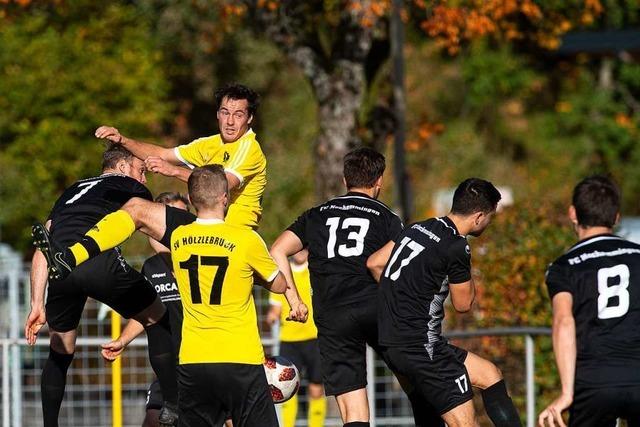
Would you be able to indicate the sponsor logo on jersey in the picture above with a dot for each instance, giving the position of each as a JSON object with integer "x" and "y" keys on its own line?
{"x": 225, "y": 157}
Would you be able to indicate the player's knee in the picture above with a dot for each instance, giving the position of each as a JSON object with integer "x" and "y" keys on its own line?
{"x": 491, "y": 374}
{"x": 316, "y": 391}
{"x": 62, "y": 343}
{"x": 136, "y": 207}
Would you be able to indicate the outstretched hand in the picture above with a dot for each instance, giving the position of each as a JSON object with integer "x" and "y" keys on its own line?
{"x": 161, "y": 166}
{"x": 299, "y": 313}
{"x": 109, "y": 133}
{"x": 111, "y": 350}
{"x": 35, "y": 322}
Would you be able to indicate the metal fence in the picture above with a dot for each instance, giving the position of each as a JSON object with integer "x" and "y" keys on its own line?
{"x": 88, "y": 399}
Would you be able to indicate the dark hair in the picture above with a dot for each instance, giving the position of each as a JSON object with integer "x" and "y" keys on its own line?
{"x": 205, "y": 184}
{"x": 171, "y": 197}
{"x": 475, "y": 195}
{"x": 114, "y": 154}
{"x": 363, "y": 167}
{"x": 237, "y": 91}
{"x": 597, "y": 201}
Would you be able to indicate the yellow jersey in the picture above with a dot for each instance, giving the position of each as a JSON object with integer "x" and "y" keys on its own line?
{"x": 244, "y": 159}
{"x": 296, "y": 331}
{"x": 214, "y": 264}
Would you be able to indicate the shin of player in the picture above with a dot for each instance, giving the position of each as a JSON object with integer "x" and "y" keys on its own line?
{"x": 418, "y": 270}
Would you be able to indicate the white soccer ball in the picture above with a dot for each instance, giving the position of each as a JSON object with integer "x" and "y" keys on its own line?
{"x": 283, "y": 378}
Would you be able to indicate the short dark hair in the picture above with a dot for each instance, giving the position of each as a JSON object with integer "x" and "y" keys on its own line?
{"x": 363, "y": 167}
{"x": 205, "y": 184}
{"x": 171, "y": 197}
{"x": 475, "y": 195}
{"x": 114, "y": 154}
{"x": 597, "y": 201}
{"x": 237, "y": 91}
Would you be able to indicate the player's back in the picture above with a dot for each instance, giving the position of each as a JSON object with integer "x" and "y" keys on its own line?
{"x": 87, "y": 201}
{"x": 415, "y": 282}
{"x": 603, "y": 275}
{"x": 214, "y": 264}
{"x": 340, "y": 235}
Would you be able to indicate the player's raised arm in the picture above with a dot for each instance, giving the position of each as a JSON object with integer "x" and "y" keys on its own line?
{"x": 378, "y": 260}
{"x": 37, "y": 318}
{"x": 141, "y": 150}
{"x": 564, "y": 347}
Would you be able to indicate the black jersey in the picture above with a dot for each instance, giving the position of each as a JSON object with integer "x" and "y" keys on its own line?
{"x": 87, "y": 201}
{"x": 602, "y": 274}
{"x": 340, "y": 235}
{"x": 427, "y": 257}
{"x": 157, "y": 269}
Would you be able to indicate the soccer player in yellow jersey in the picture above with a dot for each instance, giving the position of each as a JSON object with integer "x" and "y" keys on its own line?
{"x": 221, "y": 355}
{"x": 235, "y": 147}
{"x": 299, "y": 343}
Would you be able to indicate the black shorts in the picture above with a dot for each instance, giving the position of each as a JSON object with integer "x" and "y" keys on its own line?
{"x": 306, "y": 356}
{"x": 209, "y": 391}
{"x": 174, "y": 218}
{"x": 442, "y": 380}
{"x": 107, "y": 278}
{"x": 154, "y": 396}
{"x": 600, "y": 407}
{"x": 342, "y": 337}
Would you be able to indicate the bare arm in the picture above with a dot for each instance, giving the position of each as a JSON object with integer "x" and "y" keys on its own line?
{"x": 113, "y": 349}
{"x": 462, "y": 295}
{"x": 37, "y": 318}
{"x": 140, "y": 149}
{"x": 564, "y": 346}
{"x": 286, "y": 245}
{"x": 378, "y": 260}
{"x": 165, "y": 167}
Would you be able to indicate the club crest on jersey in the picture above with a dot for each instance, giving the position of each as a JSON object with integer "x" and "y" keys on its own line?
{"x": 225, "y": 157}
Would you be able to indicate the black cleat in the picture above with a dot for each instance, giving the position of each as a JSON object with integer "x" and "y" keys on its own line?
{"x": 168, "y": 415}
{"x": 57, "y": 266}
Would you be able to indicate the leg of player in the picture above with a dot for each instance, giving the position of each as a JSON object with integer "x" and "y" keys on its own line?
{"x": 155, "y": 320}
{"x": 151, "y": 418}
{"x": 111, "y": 231}
{"x": 290, "y": 411}
{"x": 461, "y": 416}
{"x": 317, "y": 405}
{"x": 115, "y": 228}
{"x": 54, "y": 374}
{"x": 497, "y": 402}
{"x": 354, "y": 408}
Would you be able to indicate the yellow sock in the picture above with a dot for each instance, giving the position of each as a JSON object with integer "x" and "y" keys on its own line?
{"x": 111, "y": 231}
{"x": 317, "y": 412}
{"x": 290, "y": 411}
{"x": 79, "y": 253}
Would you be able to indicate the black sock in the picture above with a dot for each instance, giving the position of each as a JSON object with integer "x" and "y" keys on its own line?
{"x": 163, "y": 358}
{"x": 499, "y": 406}
{"x": 90, "y": 245}
{"x": 424, "y": 414}
{"x": 356, "y": 424}
{"x": 54, "y": 379}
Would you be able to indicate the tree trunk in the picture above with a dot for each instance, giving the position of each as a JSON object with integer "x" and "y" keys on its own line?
{"x": 338, "y": 108}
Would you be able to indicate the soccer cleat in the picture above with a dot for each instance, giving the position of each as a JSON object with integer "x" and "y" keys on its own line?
{"x": 57, "y": 266}
{"x": 168, "y": 415}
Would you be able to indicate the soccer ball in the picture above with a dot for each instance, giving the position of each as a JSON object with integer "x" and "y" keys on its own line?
{"x": 283, "y": 378}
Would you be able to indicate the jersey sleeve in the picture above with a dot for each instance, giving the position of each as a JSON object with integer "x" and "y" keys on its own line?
{"x": 193, "y": 154}
{"x": 247, "y": 161}
{"x": 139, "y": 190}
{"x": 299, "y": 228}
{"x": 395, "y": 227}
{"x": 557, "y": 280}
{"x": 260, "y": 260}
{"x": 277, "y": 299}
{"x": 459, "y": 262}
